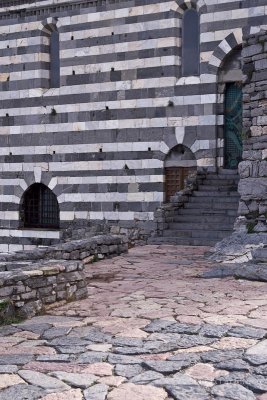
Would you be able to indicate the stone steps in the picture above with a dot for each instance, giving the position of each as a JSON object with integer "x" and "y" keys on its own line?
{"x": 191, "y": 233}
{"x": 183, "y": 241}
{"x": 209, "y": 214}
{"x": 198, "y": 226}
{"x": 204, "y": 218}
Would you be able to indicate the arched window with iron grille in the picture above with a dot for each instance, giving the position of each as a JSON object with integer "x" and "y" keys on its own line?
{"x": 190, "y": 43}
{"x": 39, "y": 208}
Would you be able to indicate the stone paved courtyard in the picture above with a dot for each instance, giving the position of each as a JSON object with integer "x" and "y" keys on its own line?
{"x": 151, "y": 329}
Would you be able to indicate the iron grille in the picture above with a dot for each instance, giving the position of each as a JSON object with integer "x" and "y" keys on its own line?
{"x": 40, "y": 208}
{"x": 233, "y": 125}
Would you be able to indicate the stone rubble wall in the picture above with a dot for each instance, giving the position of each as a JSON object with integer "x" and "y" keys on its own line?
{"x": 253, "y": 168}
{"x": 32, "y": 281}
{"x": 98, "y": 246}
{"x": 31, "y": 289}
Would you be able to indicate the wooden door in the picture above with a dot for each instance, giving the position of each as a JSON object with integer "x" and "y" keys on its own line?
{"x": 175, "y": 180}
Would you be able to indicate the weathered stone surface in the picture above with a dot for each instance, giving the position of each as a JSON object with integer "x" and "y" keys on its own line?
{"x": 137, "y": 392}
{"x": 9, "y": 380}
{"x": 44, "y": 381}
{"x": 22, "y": 391}
{"x": 15, "y": 359}
{"x": 187, "y": 392}
{"x": 96, "y": 392}
{"x": 128, "y": 371}
{"x": 257, "y": 354}
{"x": 234, "y": 365}
{"x": 214, "y": 330}
{"x": 166, "y": 367}
{"x": 122, "y": 359}
{"x": 99, "y": 369}
{"x": 73, "y": 394}
{"x": 247, "y": 332}
{"x": 92, "y": 357}
{"x": 76, "y": 380}
{"x": 204, "y": 372}
{"x": 8, "y": 369}
{"x": 146, "y": 377}
{"x": 216, "y": 356}
{"x": 53, "y": 333}
{"x": 188, "y": 329}
{"x": 157, "y": 325}
{"x": 182, "y": 387}
{"x": 232, "y": 391}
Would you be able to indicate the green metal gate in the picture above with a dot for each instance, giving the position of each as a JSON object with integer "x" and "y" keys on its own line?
{"x": 233, "y": 125}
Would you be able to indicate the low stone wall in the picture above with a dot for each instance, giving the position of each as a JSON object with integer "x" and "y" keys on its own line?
{"x": 30, "y": 289}
{"x": 96, "y": 247}
{"x": 253, "y": 168}
{"x": 32, "y": 281}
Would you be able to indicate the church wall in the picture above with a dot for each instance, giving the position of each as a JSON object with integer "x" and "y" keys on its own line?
{"x": 99, "y": 140}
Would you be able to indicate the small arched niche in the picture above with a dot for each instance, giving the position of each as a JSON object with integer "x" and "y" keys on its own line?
{"x": 39, "y": 208}
{"x": 179, "y": 164}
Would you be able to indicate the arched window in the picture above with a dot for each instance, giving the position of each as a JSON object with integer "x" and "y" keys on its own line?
{"x": 190, "y": 43}
{"x": 39, "y": 208}
{"x": 233, "y": 146}
{"x": 54, "y": 60}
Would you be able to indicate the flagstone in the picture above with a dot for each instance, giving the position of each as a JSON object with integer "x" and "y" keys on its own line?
{"x": 137, "y": 392}
{"x": 7, "y": 380}
{"x": 73, "y": 394}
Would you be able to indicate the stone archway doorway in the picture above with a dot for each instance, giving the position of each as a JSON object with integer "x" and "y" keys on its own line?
{"x": 179, "y": 164}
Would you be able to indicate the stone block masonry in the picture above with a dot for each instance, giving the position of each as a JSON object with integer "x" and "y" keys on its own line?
{"x": 30, "y": 289}
{"x": 99, "y": 141}
{"x": 253, "y": 168}
{"x": 32, "y": 281}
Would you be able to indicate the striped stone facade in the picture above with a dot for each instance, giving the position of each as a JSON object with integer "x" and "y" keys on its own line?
{"x": 99, "y": 141}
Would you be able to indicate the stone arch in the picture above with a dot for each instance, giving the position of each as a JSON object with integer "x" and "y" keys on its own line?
{"x": 180, "y": 156}
{"x": 180, "y": 162}
{"x": 227, "y": 45}
{"x": 49, "y": 25}
{"x": 180, "y": 6}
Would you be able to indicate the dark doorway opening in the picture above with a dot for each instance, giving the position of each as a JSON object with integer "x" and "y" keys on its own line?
{"x": 233, "y": 146}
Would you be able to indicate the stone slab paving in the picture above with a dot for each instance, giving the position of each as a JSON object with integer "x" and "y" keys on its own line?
{"x": 152, "y": 328}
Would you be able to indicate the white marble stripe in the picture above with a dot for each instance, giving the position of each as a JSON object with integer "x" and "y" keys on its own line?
{"x": 86, "y": 148}
{"x": 104, "y": 87}
{"x": 91, "y": 17}
{"x": 108, "y": 215}
{"x": 113, "y": 124}
{"x": 84, "y": 69}
{"x": 123, "y": 104}
{"x": 110, "y": 197}
{"x": 82, "y": 165}
{"x": 35, "y": 233}
{"x": 169, "y": 41}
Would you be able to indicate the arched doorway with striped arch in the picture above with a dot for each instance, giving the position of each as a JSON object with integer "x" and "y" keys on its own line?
{"x": 180, "y": 162}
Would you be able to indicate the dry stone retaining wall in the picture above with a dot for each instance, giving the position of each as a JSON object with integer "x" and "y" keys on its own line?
{"x": 32, "y": 281}
{"x": 253, "y": 168}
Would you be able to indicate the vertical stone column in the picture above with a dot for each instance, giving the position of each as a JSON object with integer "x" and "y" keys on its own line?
{"x": 253, "y": 168}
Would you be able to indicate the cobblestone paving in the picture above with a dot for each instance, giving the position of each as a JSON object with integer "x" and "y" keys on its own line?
{"x": 151, "y": 329}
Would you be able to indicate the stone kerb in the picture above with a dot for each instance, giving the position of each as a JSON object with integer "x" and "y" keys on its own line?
{"x": 33, "y": 281}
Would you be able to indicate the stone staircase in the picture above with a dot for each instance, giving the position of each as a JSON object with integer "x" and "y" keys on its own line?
{"x": 209, "y": 214}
